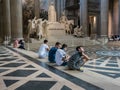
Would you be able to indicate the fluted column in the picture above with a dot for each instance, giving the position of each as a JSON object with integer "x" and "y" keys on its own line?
{"x": 6, "y": 18}
{"x": 104, "y": 17}
{"x": 16, "y": 19}
{"x": 84, "y": 16}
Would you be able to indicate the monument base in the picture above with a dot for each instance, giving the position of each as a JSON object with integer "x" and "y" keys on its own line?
{"x": 55, "y": 31}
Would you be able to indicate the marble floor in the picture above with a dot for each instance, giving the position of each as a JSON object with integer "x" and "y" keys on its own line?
{"x": 23, "y": 70}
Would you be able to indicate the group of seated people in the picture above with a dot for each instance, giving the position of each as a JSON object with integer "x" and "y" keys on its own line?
{"x": 115, "y": 38}
{"x": 19, "y": 44}
{"x": 58, "y": 55}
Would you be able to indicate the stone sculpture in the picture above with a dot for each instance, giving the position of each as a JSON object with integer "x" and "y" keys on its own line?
{"x": 78, "y": 32}
{"x": 45, "y": 28}
{"x": 51, "y": 13}
{"x": 39, "y": 29}
{"x": 63, "y": 19}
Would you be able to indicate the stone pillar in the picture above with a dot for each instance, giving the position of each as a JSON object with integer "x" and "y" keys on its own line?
{"x": 115, "y": 16}
{"x": 119, "y": 20}
{"x": 59, "y": 6}
{"x": 57, "y": 3}
{"x": 84, "y": 15}
{"x": 1, "y": 23}
{"x": 6, "y": 18}
{"x": 110, "y": 20}
{"x": 104, "y": 17}
{"x": 16, "y": 19}
{"x": 62, "y": 7}
{"x": 37, "y": 8}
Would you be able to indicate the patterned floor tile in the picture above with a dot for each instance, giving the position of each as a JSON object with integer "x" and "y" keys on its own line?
{"x": 65, "y": 88}
{"x": 5, "y": 55}
{"x": 113, "y": 75}
{"x": 112, "y": 65}
{"x": 37, "y": 85}
{"x": 3, "y": 70}
{"x": 29, "y": 66}
{"x": 13, "y": 65}
{"x": 9, "y": 82}
{"x": 8, "y": 59}
{"x": 21, "y": 73}
{"x": 94, "y": 63}
{"x": 43, "y": 75}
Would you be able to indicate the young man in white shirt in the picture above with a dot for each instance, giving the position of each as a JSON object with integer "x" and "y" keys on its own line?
{"x": 61, "y": 57}
{"x": 43, "y": 50}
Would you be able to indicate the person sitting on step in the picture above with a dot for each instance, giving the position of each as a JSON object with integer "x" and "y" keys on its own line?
{"x": 43, "y": 50}
{"x": 77, "y": 60}
{"x": 61, "y": 58}
{"x": 52, "y": 52}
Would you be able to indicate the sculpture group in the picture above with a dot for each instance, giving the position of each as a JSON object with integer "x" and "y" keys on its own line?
{"x": 39, "y": 28}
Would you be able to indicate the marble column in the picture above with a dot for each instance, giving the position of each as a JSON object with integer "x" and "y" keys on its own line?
{"x": 119, "y": 18}
{"x": 84, "y": 16}
{"x": 16, "y": 19}
{"x": 57, "y": 4}
{"x": 115, "y": 16}
{"x": 37, "y": 8}
{"x": 104, "y": 17}
{"x": 1, "y": 22}
{"x": 6, "y": 18}
{"x": 60, "y": 7}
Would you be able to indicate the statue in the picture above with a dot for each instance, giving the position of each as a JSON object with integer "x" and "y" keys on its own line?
{"x": 78, "y": 32}
{"x": 29, "y": 27}
{"x": 71, "y": 28}
{"x": 34, "y": 22}
{"x": 32, "y": 26}
{"x": 39, "y": 29}
{"x": 51, "y": 13}
{"x": 63, "y": 18}
{"x": 67, "y": 28}
{"x": 68, "y": 24}
{"x": 45, "y": 28}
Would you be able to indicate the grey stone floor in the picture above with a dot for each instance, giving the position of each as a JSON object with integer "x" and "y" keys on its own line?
{"x": 20, "y": 72}
{"x": 23, "y": 70}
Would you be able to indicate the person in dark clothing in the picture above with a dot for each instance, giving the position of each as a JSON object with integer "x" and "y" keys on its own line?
{"x": 77, "y": 60}
{"x": 52, "y": 52}
{"x": 22, "y": 44}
